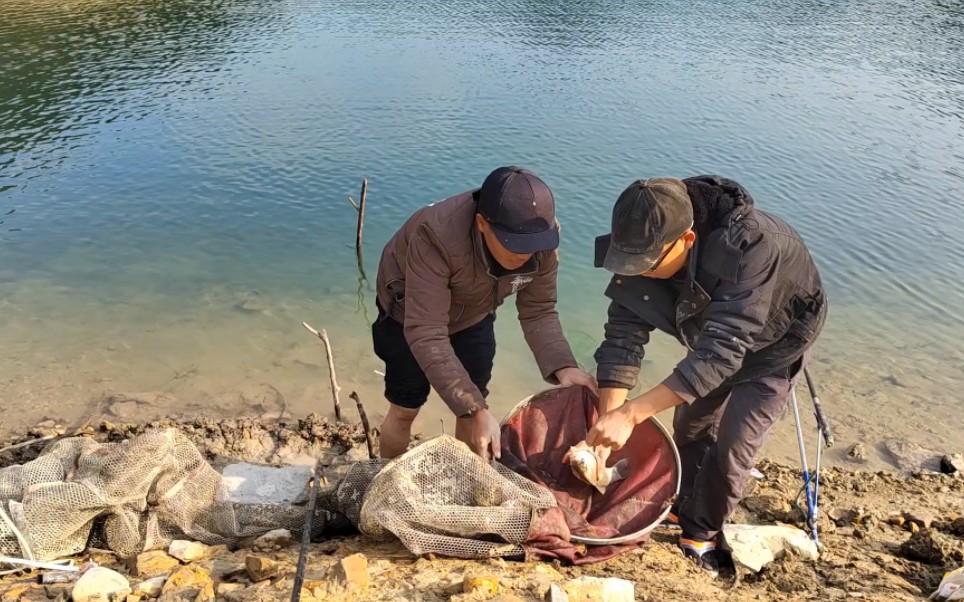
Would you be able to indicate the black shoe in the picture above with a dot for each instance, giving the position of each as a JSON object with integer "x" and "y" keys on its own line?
{"x": 703, "y": 553}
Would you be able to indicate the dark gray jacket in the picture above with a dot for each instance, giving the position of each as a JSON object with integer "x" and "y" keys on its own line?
{"x": 749, "y": 304}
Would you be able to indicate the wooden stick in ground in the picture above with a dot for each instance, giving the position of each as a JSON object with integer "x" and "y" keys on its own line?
{"x": 306, "y": 533}
{"x": 365, "y": 425}
{"x": 361, "y": 218}
{"x": 323, "y": 335}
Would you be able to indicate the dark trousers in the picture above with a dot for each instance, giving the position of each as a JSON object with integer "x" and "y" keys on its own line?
{"x": 718, "y": 438}
{"x": 405, "y": 383}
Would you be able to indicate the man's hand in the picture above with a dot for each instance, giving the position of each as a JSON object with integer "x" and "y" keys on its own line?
{"x": 611, "y": 430}
{"x": 575, "y": 376}
{"x": 481, "y": 433}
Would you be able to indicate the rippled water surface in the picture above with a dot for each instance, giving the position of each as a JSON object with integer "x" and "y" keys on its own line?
{"x": 174, "y": 179}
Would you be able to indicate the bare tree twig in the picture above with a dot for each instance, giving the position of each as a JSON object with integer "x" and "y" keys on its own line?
{"x": 323, "y": 335}
{"x": 365, "y": 425}
{"x": 353, "y": 203}
{"x": 27, "y": 443}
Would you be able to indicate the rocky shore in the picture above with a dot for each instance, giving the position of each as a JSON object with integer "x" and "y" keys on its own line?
{"x": 887, "y": 536}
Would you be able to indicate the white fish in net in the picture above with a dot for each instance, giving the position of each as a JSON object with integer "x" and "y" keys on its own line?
{"x": 584, "y": 463}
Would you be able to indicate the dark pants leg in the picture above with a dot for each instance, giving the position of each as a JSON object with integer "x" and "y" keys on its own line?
{"x": 744, "y": 424}
{"x": 694, "y": 432}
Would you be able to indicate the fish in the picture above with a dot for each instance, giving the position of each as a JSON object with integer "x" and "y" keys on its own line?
{"x": 583, "y": 461}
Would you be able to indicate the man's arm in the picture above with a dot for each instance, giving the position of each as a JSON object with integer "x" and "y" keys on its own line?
{"x": 427, "y": 302}
{"x": 539, "y": 318}
{"x": 620, "y": 355}
{"x": 735, "y": 316}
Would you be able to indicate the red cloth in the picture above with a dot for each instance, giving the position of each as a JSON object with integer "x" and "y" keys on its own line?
{"x": 534, "y": 442}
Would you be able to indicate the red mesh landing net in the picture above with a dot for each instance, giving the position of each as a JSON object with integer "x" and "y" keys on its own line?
{"x": 537, "y": 435}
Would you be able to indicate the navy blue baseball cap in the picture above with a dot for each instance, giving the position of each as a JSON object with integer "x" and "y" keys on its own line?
{"x": 521, "y": 210}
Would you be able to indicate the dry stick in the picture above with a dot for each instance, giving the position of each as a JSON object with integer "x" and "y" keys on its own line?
{"x": 306, "y": 533}
{"x": 360, "y": 208}
{"x": 323, "y": 335}
{"x": 365, "y": 425}
{"x": 27, "y": 443}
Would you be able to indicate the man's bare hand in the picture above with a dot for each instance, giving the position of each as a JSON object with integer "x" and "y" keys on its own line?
{"x": 575, "y": 376}
{"x": 481, "y": 433}
{"x": 612, "y": 430}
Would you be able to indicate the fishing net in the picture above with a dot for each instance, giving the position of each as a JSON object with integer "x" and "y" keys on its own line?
{"x": 437, "y": 498}
{"x": 136, "y": 495}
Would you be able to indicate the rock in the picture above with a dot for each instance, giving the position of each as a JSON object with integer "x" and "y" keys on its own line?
{"x": 767, "y": 507}
{"x": 859, "y": 534}
{"x": 595, "y": 589}
{"x": 19, "y": 592}
{"x": 189, "y": 581}
{"x": 153, "y": 564}
{"x": 225, "y": 588}
{"x": 857, "y": 452}
{"x": 842, "y": 517}
{"x": 957, "y": 527}
{"x": 485, "y": 584}
{"x": 187, "y": 551}
{"x": 952, "y": 463}
{"x": 896, "y": 520}
{"x": 260, "y": 568}
{"x": 254, "y": 484}
{"x": 556, "y": 594}
{"x": 273, "y": 540}
{"x": 922, "y": 547}
{"x": 921, "y": 518}
{"x": 913, "y": 527}
{"x": 910, "y": 456}
{"x": 100, "y": 585}
{"x": 755, "y": 546}
{"x": 352, "y": 571}
{"x": 150, "y": 588}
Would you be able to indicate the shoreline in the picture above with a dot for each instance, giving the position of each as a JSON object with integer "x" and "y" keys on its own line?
{"x": 867, "y": 552}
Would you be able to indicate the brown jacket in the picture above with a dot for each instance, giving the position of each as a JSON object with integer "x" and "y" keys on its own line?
{"x": 437, "y": 278}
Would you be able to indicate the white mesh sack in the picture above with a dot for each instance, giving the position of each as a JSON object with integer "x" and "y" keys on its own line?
{"x": 441, "y": 498}
{"x": 148, "y": 490}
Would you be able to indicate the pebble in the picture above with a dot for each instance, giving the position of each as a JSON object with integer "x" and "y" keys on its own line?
{"x": 352, "y": 571}
{"x": 100, "y": 584}
{"x": 150, "y": 588}
{"x": 153, "y": 564}
{"x": 484, "y": 584}
{"x": 260, "y": 568}
{"x": 187, "y": 551}
{"x": 857, "y": 452}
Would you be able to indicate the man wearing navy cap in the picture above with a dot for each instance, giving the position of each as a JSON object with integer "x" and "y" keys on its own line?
{"x": 737, "y": 286}
{"x": 441, "y": 279}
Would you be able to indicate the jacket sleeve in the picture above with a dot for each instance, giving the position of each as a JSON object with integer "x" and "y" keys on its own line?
{"x": 736, "y": 314}
{"x": 621, "y": 353}
{"x": 427, "y": 302}
{"x": 540, "y": 320}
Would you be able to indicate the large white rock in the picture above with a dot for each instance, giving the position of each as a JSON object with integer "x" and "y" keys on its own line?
{"x": 595, "y": 589}
{"x": 755, "y": 546}
{"x": 100, "y": 585}
{"x": 150, "y": 588}
{"x": 257, "y": 484}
